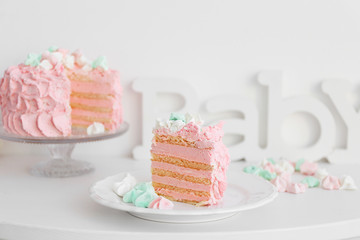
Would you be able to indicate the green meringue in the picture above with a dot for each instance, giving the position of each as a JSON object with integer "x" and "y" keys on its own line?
{"x": 53, "y": 48}
{"x": 252, "y": 170}
{"x": 267, "y": 175}
{"x": 141, "y": 195}
{"x": 298, "y": 164}
{"x": 100, "y": 62}
{"x": 33, "y": 59}
{"x": 271, "y": 160}
{"x": 311, "y": 181}
{"x": 177, "y": 116}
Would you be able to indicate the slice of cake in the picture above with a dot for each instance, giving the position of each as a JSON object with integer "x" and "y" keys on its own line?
{"x": 55, "y": 92}
{"x": 189, "y": 161}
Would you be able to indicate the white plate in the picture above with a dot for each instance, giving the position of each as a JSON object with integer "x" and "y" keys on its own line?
{"x": 244, "y": 192}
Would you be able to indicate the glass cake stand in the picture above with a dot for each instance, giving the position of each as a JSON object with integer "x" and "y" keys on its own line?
{"x": 61, "y": 164}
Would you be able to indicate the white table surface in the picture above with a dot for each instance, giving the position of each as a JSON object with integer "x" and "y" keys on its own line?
{"x": 42, "y": 208}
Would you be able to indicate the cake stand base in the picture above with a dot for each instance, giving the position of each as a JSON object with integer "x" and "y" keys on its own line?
{"x": 61, "y": 164}
{"x": 58, "y": 168}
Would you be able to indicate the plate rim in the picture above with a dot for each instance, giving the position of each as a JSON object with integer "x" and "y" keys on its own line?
{"x": 209, "y": 211}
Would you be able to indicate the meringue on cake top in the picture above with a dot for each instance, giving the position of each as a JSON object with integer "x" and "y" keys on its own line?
{"x": 52, "y": 93}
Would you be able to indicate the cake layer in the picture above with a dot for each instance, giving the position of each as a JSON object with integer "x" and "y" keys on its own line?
{"x": 78, "y": 123}
{"x": 167, "y": 187}
{"x": 181, "y": 183}
{"x": 180, "y": 198}
{"x": 108, "y": 116}
{"x": 108, "y": 102}
{"x": 182, "y": 170}
{"x": 181, "y": 162}
{"x": 91, "y": 108}
{"x": 180, "y": 176}
{"x": 174, "y": 140}
{"x": 91, "y": 95}
{"x": 92, "y": 87}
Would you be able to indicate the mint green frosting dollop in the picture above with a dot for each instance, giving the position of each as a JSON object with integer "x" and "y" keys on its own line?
{"x": 53, "y": 48}
{"x": 267, "y": 175}
{"x": 100, "y": 62}
{"x": 141, "y": 195}
{"x": 33, "y": 59}
{"x": 177, "y": 116}
{"x": 298, "y": 164}
{"x": 252, "y": 170}
{"x": 311, "y": 181}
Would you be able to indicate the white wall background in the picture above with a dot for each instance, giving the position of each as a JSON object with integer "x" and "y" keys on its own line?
{"x": 218, "y": 46}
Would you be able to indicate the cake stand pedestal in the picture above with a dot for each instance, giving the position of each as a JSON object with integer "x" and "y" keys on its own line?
{"x": 61, "y": 164}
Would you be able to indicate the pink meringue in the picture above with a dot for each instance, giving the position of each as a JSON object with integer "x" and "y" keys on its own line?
{"x": 308, "y": 168}
{"x": 161, "y": 203}
{"x": 270, "y": 167}
{"x": 286, "y": 176}
{"x": 280, "y": 183}
{"x": 296, "y": 188}
{"x": 330, "y": 183}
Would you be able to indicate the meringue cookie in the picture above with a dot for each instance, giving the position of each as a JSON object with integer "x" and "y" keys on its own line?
{"x": 252, "y": 170}
{"x": 69, "y": 61}
{"x": 265, "y": 161}
{"x": 284, "y": 166}
{"x": 298, "y": 164}
{"x": 347, "y": 183}
{"x": 286, "y": 176}
{"x": 161, "y": 203}
{"x": 321, "y": 173}
{"x": 330, "y": 183}
{"x": 296, "y": 188}
{"x": 308, "y": 168}
{"x": 125, "y": 185}
{"x": 311, "y": 182}
{"x": 270, "y": 167}
{"x": 95, "y": 128}
{"x": 267, "y": 175}
{"x": 45, "y": 64}
{"x": 280, "y": 183}
{"x": 141, "y": 195}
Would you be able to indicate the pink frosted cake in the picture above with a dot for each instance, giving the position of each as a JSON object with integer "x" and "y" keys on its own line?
{"x": 55, "y": 92}
{"x": 189, "y": 161}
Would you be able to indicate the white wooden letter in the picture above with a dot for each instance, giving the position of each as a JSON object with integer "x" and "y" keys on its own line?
{"x": 149, "y": 88}
{"x": 249, "y": 126}
{"x": 337, "y": 91}
{"x": 279, "y": 108}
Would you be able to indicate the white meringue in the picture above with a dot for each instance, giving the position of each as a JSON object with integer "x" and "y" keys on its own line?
{"x": 45, "y": 64}
{"x": 125, "y": 185}
{"x": 321, "y": 174}
{"x": 69, "y": 61}
{"x": 282, "y": 166}
{"x": 95, "y": 128}
{"x": 347, "y": 183}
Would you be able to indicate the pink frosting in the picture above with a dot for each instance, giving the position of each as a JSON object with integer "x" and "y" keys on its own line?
{"x": 330, "y": 183}
{"x": 296, "y": 188}
{"x": 183, "y": 170}
{"x": 280, "y": 183}
{"x": 31, "y": 98}
{"x": 161, "y": 203}
{"x": 208, "y": 156}
{"x": 308, "y": 168}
